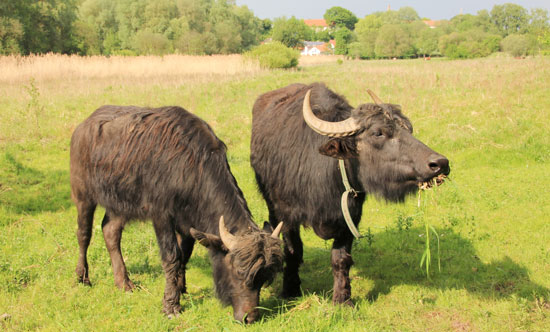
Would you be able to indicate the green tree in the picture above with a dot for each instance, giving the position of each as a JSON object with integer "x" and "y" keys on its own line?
{"x": 188, "y": 26}
{"x": 367, "y": 30}
{"x": 427, "y": 42}
{"x": 229, "y": 39}
{"x": 11, "y": 34}
{"x": 543, "y": 41}
{"x": 342, "y": 37}
{"x": 539, "y": 28}
{"x": 538, "y": 20}
{"x": 483, "y": 22}
{"x": 322, "y": 35}
{"x": 157, "y": 16}
{"x": 101, "y": 16}
{"x": 393, "y": 41}
{"x": 464, "y": 22}
{"x": 250, "y": 28}
{"x": 340, "y": 17}
{"x": 389, "y": 17}
{"x": 407, "y": 14}
{"x": 129, "y": 20}
{"x": 469, "y": 44}
{"x": 509, "y": 18}
{"x": 266, "y": 26}
{"x": 291, "y": 32}
{"x": 152, "y": 43}
{"x": 88, "y": 42}
{"x": 357, "y": 50}
{"x": 47, "y": 25}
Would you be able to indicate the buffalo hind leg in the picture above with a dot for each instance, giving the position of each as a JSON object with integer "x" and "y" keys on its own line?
{"x": 112, "y": 233}
{"x": 85, "y": 221}
{"x": 293, "y": 251}
{"x": 171, "y": 256}
{"x": 341, "y": 263}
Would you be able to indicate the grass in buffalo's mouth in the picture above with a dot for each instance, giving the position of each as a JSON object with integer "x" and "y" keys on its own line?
{"x": 435, "y": 181}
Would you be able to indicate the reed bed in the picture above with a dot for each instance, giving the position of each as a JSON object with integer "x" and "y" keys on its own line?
{"x": 18, "y": 69}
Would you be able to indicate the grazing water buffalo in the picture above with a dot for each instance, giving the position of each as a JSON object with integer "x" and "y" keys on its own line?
{"x": 298, "y": 134}
{"x": 167, "y": 165}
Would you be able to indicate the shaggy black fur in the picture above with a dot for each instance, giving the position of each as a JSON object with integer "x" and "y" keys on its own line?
{"x": 167, "y": 165}
{"x": 297, "y": 169}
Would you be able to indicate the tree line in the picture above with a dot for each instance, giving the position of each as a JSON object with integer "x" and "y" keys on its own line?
{"x": 128, "y": 27}
{"x": 135, "y": 27}
{"x": 404, "y": 34}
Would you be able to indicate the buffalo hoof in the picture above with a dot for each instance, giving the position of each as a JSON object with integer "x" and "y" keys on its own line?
{"x": 126, "y": 285}
{"x": 291, "y": 293}
{"x": 85, "y": 281}
{"x": 82, "y": 275}
{"x": 291, "y": 286}
{"x": 343, "y": 300}
{"x": 172, "y": 311}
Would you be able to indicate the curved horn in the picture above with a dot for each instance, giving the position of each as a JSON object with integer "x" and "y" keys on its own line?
{"x": 228, "y": 239}
{"x": 347, "y": 127}
{"x": 277, "y": 231}
{"x": 374, "y": 97}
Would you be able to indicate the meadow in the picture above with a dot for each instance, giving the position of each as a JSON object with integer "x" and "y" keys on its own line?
{"x": 490, "y": 117}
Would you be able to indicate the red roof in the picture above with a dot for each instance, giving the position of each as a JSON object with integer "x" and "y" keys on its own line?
{"x": 431, "y": 23}
{"x": 316, "y": 23}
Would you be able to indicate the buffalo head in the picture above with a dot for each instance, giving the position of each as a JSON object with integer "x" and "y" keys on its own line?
{"x": 392, "y": 161}
{"x": 242, "y": 264}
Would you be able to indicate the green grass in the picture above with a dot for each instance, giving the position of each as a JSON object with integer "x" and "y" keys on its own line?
{"x": 489, "y": 117}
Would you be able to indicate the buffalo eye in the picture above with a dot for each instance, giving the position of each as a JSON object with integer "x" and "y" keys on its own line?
{"x": 378, "y": 133}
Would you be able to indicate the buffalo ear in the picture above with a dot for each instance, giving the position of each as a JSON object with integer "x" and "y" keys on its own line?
{"x": 267, "y": 227}
{"x": 339, "y": 148}
{"x": 210, "y": 241}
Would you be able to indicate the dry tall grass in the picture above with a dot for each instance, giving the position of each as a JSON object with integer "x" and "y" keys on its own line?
{"x": 52, "y": 67}
{"x": 17, "y": 69}
{"x": 319, "y": 59}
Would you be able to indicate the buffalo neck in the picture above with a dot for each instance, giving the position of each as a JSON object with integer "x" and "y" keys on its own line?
{"x": 219, "y": 195}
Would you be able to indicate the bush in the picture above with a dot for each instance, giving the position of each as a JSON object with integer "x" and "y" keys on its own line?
{"x": 468, "y": 44}
{"x": 275, "y": 55}
{"x": 517, "y": 45}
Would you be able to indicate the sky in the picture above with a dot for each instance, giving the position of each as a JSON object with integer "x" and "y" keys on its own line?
{"x": 432, "y": 9}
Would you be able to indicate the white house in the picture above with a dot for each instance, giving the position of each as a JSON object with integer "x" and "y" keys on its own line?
{"x": 316, "y": 48}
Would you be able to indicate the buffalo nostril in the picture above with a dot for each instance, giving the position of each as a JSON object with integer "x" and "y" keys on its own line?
{"x": 434, "y": 166}
{"x": 251, "y": 317}
{"x": 439, "y": 165}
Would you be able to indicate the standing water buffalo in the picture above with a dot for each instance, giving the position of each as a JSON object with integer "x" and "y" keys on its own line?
{"x": 298, "y": 134}
{"x": 167, "y": 165}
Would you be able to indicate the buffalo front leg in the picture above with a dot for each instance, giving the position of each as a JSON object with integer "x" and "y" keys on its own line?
{"x": 341, "y": 263}
{"x": 85, "y": 221}
{"x": 112, "y": 233}
{"x": 293, "y": 251}
{"x": 185, "y": 244}
{"x": 171, "y": 256}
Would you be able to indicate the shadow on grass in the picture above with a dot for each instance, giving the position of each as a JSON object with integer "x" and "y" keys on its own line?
{"x": 394, "y": 259}
{"x": 26, "y": 190}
